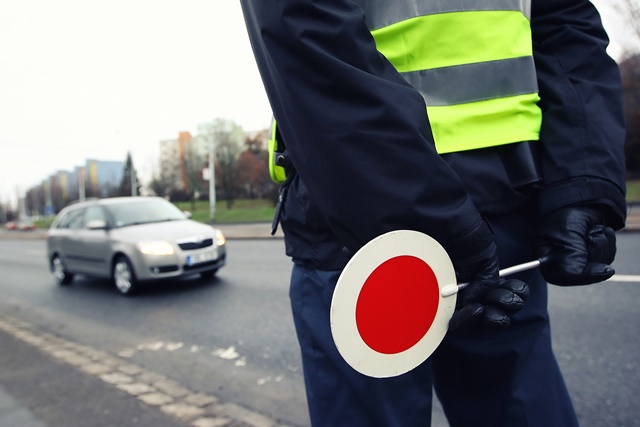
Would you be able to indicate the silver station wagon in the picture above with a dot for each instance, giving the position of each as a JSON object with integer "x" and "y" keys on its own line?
{"x": 131, "y": 240}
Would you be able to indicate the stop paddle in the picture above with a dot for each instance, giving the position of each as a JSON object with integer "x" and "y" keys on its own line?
{"x": 393, "y": 301}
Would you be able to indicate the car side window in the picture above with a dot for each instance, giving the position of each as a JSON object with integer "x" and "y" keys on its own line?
{"x": 70, "y": 218}
{"x": 75, "y": 219}
{"x": 93, "y": 213}
{"x": 62, "y": 222}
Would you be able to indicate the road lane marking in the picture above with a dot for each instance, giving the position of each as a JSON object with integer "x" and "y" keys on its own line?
{"x": 195, "y": 408}
{"x": 624, "y": 278}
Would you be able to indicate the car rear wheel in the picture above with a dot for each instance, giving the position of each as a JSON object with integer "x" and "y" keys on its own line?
{"x": 123, "y": 276}
{"x": 59, "y": 271}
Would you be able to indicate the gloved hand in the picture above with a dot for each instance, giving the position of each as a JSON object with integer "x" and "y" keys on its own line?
{"x": 487, "y": 302}
{"x": 577, "y": 245}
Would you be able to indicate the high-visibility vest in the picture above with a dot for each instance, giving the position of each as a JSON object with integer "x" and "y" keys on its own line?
{"x": 277, "y": 155}
{"x": 472, "y": 61}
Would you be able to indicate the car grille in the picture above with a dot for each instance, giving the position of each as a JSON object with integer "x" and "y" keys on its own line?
{"x": 164, "y": 269}
{"x": 198, "y": 266}
{"x": 189, "y": 246}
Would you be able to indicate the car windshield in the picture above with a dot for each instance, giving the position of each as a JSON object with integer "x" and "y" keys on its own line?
{"x": 143, "y": 212}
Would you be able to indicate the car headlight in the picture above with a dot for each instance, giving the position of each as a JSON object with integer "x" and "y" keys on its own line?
{"x": 155, "y": 248}
{"x": 220, "y": 240}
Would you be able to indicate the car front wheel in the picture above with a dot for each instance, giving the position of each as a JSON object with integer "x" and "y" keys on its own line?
{"x": 59, "y": 271}
{"x": 123, "y": 276}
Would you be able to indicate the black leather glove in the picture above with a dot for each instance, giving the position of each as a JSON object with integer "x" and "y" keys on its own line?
{"x": 577, "y": 246}
{"x": 487, "y": 302}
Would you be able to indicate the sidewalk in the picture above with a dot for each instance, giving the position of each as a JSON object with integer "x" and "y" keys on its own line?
{"x": 47, "y": 381}
{"x": 633, "y": 217}
{"x": 262, "y": 230}
{"x": 258, "y": 230}
{"x": 36, "y": 390}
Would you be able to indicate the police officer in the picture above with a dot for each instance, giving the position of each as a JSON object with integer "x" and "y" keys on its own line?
{"x": 496, "y": 182}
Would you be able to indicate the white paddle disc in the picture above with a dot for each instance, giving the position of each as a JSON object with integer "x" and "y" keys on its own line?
{"x": 392, "y": 303}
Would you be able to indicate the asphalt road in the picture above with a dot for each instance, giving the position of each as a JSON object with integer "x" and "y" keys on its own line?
{"x": 227, "y": 346}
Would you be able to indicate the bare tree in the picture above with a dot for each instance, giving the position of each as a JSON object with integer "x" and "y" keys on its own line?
{"x": 159, "y": 185}
{"x": 253, "y": 168}
{"x": 630, "y": 69}
{"x": 227, "y": 138}
{"x": 193, "y": 164}
{"x": 629, "y": 13}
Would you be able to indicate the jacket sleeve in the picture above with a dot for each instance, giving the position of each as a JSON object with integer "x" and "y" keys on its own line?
{"x": 583, "y": 130}
{"x": 357, "y": 133}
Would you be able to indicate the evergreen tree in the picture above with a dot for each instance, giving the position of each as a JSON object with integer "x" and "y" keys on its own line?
{"x": 126, "y": 187}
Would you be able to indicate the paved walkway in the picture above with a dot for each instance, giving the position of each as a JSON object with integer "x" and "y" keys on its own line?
{"x": 48, "y": 381}
{"x": 262, "y": 230}
{"x": 633, "y": 217}
{"x": 259, "y": 230}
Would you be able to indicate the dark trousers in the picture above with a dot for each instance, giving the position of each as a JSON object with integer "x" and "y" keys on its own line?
{"x": 506, "y": 378}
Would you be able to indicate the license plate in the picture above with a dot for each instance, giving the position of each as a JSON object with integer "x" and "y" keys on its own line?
{"x": 202, "y": 257}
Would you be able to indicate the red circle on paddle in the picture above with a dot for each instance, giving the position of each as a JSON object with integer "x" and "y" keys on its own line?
{"x": 397, "y": 304}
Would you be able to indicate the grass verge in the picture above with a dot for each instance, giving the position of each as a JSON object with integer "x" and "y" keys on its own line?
{"x": 260, "y": 210}
{"x": 633, "y": 191}
{"x": 243, "y": 210}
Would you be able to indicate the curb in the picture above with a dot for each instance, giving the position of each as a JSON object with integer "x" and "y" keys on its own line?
{"x": 262, "y": 230}
{"x": 246, "y": 231}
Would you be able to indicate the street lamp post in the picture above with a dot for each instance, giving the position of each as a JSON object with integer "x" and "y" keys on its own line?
{"x": 81, "y": 185}
{"x": 134, "y": 184}
{"x": 49, "y": 209}
{"x": 212, "y": 180}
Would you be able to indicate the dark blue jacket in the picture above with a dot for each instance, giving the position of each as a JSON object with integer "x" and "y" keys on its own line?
{"x": 360, "y": 142}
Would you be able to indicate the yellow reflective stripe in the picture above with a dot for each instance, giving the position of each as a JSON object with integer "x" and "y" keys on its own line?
{"x": 277, "y": 173}
{"x": 486, "y": 123}
{"x": 449, "y": 39}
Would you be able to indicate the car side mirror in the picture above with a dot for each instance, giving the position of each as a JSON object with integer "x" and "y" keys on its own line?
{"x": 97, "y": 224}
{"x": 187, "y": 214}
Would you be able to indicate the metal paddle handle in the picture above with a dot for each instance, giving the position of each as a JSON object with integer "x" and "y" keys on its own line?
{"x": 450, "y": 290}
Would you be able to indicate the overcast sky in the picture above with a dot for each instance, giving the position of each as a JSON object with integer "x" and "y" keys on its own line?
{"x": 94, "y": 79}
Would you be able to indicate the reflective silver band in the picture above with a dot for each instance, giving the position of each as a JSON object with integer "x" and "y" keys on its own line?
{"x": 382, "y": 13}
{"x": 475, "y": 82}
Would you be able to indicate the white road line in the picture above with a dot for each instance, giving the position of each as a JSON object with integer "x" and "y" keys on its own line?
{"x": 197, "y": 409}
{"x": 624, "y": 278}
